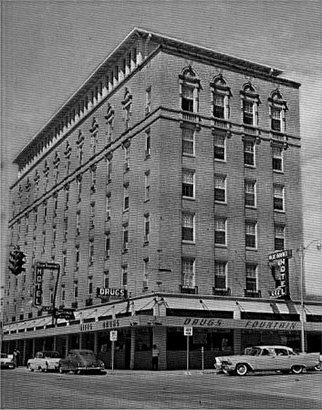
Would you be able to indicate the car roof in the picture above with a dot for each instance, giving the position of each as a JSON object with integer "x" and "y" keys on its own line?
{"x": 273, "y": 347}
{"x": 81, "y": 351}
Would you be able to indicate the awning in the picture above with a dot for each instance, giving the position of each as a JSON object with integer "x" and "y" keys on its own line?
{"x": 313, "y": 310}
{"x": 273, "y": 307}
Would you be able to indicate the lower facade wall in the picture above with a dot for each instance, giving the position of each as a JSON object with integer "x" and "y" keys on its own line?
{"x": 204, "y": 346}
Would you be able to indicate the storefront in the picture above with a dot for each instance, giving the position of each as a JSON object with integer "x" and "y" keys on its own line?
{"x": 218, "y": 326}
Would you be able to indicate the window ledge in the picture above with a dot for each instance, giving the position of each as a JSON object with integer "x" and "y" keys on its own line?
{"x": 220, "y": 202}
{"x": 184, "y": 154}
{"x": 220, "y": 245}
{"x": 278, "y": 171}
{"x": 223, "y": 161}
{"x": 279, "y": 211}
{"x": 251, "y": 249}
{"x": 189, "y": 198}
{"x": 250, "y": 207}
{"x": 250, "y": 166}
{"x": 188, "y": 242}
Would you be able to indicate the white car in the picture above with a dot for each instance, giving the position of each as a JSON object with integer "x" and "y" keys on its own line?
{"x": 44, "y": 361}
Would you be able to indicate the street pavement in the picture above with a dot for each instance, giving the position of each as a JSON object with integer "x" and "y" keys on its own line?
{"x": 125, "y": 389}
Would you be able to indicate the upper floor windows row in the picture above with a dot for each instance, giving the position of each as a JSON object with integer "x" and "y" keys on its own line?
{"x": 220, "y": 100}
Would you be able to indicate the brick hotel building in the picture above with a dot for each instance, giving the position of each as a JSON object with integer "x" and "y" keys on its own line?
{"x": 164, "y": 183}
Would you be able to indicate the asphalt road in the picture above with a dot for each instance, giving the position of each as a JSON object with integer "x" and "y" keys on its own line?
{"x": 21, "y": 389}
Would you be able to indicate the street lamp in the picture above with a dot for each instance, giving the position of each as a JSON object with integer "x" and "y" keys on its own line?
{"x": 301, "y": 252}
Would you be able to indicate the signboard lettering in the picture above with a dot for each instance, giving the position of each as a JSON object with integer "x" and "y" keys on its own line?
{"x": 280, "y": 272}
{"x": 107, "y": 292}
{"x": 38, "y": 287}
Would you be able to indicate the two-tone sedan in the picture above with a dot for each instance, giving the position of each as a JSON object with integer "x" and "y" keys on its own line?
{"x": 268, "y": 358}
{"x": 81, "y": 361}
{"x": 44, "y": 361}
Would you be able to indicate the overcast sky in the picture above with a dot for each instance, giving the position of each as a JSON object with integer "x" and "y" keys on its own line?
{"x": 49, "y": 48}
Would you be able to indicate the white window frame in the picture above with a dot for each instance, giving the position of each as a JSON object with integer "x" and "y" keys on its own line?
{"x": 277, "y": 155}
{"x": 250, "y": 152}
{"x": 279, "y": 195}
{"x": 250, "y": 183}
{"x": 220, "y": 185}
{"x": 188, "y": 273}
{"x": 188, "y": 138}
{"x": 188, "y": 223}
{"x": 253, "y": 269}
{"x": 146, "y": 228}
{"x": 188, "y": 181}
{"x": 221, "y": 146}
{"x": 251, "y": 231}
{"x": 218, "y": 273}
{"x": 221, "y": 222}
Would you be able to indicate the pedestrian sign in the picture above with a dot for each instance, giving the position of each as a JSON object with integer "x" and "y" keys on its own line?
{"x": 187, "y": 330}
{"x": 113, "y": 335}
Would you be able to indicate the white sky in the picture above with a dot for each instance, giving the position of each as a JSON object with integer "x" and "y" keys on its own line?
{"x": 49, "y": 48}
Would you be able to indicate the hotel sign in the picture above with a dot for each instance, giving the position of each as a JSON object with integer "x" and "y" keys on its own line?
{"x": 38, "y": 286}
{"x": 280, "y": 272}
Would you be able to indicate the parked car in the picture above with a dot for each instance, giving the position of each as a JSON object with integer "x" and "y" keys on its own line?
{"x": 81, "y": 360}
{"x": 274, "y": 358}
{"x": 7, "y": 361}
{"x": 44, "y": 361}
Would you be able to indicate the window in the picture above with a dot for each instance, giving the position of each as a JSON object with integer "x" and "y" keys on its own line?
{"x": 188, "y": 183}
{"x": 251, "y": 278}
{"x": 108, "y": 206}
{"x": 90, "y": 286}
{"x": 64, "y": 263}
{"x": 146, "y": 228}
{"x": 127, "y": 108}
{"x": 126, "y": 157}
{"x": 147, "y": 143}
{"x": 108, "y": 168}
{"x": 277, "y": 158}
{"x": 279, "y": 237}
{"x": 77, "y": 257}
{"x": 248, "y": 113}
{"x": 78, "y": 222}
{"x": 125, "y": 238}
{"x": 250, "y": 193}
{"x": 75, "y": 290}
{"x": 189, "y": 90}
{"x": 126, "y": 200}
{"x": 145, "y": 273}
{"x": 109, "y": 123}
{"x": 79, "y": 188}
{"x": 188, "y": 144}
{"x": 220, "y": 97}
{"x": 188, "y": 272}
{"x": 106, "y": 279}
{"x": 148, "y": 101}
{"x": 107, "y": 244}
{"x": 94, "y": 133}
{"x": 219, "y": 106}
{"x": 250, "y": 234}
{"x": 187, "y": 98}
{"x": 187, "y": 227}
{"x": 80, "y": 146}
{"x": 278, "y": 197}
{"x": 250, "y": 102}
{"x": 277, "y": 111}
{"x": 147, "y": 185}
{"x": 220, "y": 231}
{"x": 220, "y": 188}
{"x": 91, "y": 253}
{"x": 92, "y": 216}
{"x": 220, "y": 147}
{"x": 249, "y": 153}
{"x": 93, "y": 179}
{"x": 124, "y": 276}
{"x": 220, "y": 275}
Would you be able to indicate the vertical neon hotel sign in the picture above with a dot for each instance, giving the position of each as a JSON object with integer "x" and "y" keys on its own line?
{"x": 280, "y": 270}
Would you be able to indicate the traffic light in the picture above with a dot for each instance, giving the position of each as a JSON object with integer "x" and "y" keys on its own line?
{"x": 16, "y": 261}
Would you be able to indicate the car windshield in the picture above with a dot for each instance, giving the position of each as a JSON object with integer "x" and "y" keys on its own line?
{"x": 52, "y": 354}
{"x": 87, "y": 355}
{"x": 252, "y": 351}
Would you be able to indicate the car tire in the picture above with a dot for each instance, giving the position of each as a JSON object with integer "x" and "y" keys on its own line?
{"x": 30, "y": 368}
{"x": 45, "y": 369}
{"x": 318, "y": 367}
{"x": 241, "y": 369}
{"x": 297, "y": 369}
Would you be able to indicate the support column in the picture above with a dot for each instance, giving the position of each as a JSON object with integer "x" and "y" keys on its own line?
{"x": 160, "y": 339}
{"x": 24, "y": 348}
{"x": 67, "y": 347}
{"x": 132, "y": 351}
{"x": 33, "y": 347}
{"x": 95, "y": 342}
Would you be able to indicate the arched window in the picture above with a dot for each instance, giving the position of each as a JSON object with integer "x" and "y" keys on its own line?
{"x": 220, "y": 97}
{"x": 277, "y": 109}
{"x": 249, "y": 105}
{"x": 189, "y": 86}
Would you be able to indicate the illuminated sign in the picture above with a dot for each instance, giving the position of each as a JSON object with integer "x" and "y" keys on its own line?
{"x": 107, "y": 292}
{"x": 38, "y": 286}
{"x": 280, "y": 271}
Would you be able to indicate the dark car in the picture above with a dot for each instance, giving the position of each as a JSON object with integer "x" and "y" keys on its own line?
{"x": 81, "y": 361}
{"x": 7, "y": 361}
